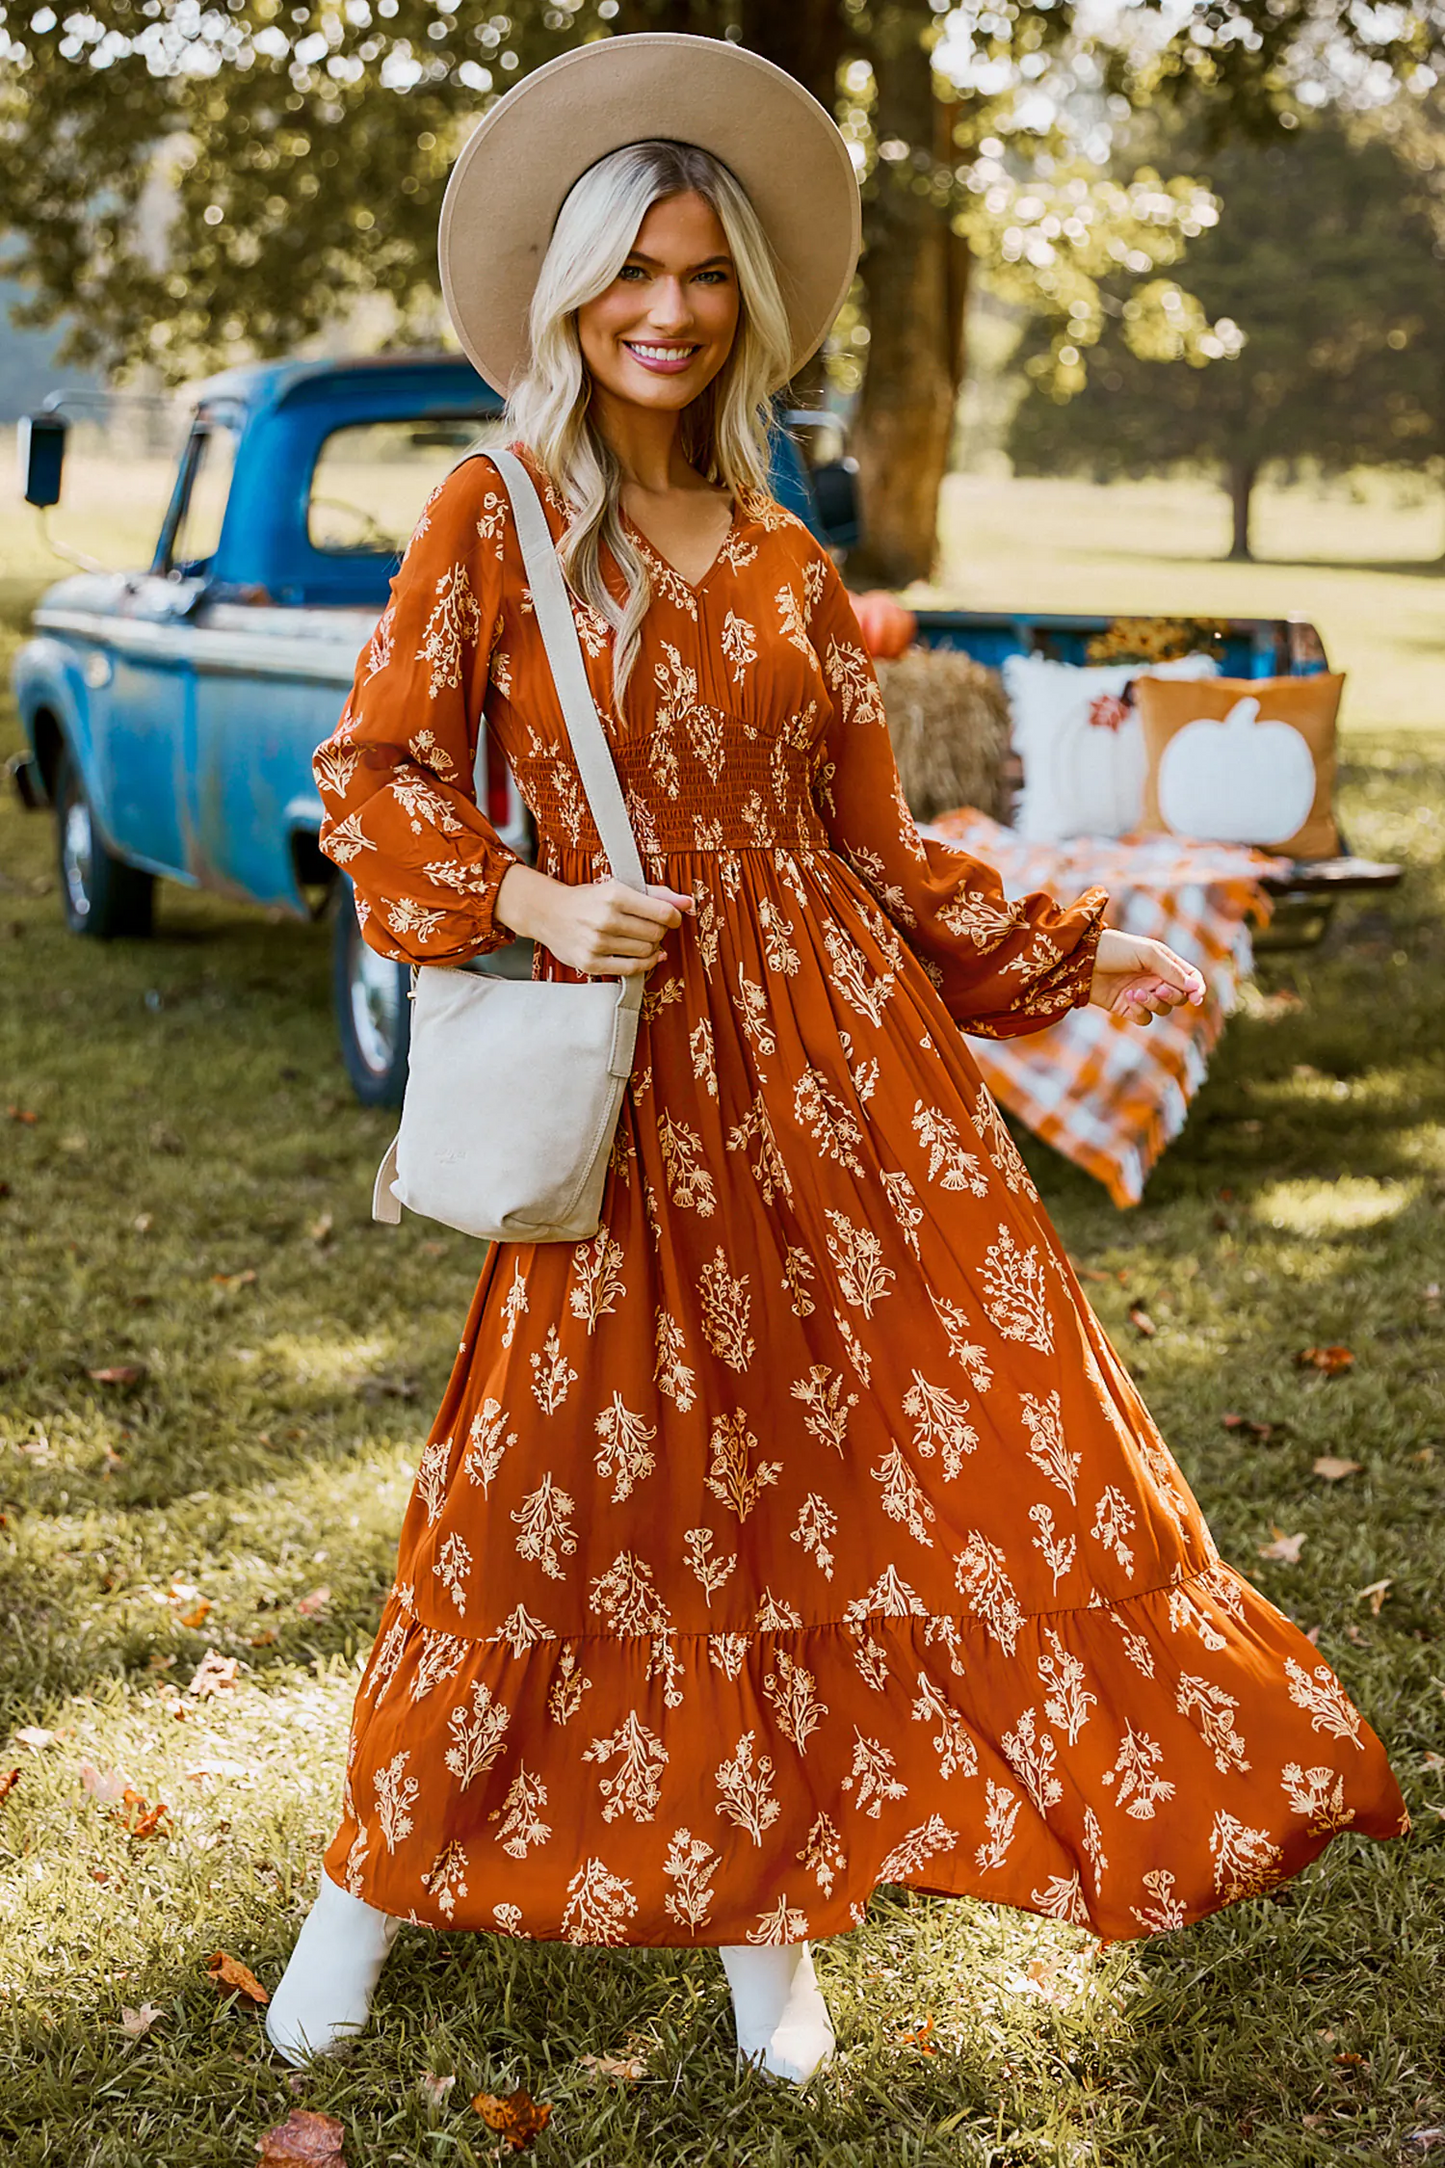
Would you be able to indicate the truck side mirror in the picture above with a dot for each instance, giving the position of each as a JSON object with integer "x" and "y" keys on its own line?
{"x": 835, "y": 491}
{"x": 40, "y": 441}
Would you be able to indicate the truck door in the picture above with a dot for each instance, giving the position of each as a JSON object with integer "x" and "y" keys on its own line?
{"x": 150, "y": 724}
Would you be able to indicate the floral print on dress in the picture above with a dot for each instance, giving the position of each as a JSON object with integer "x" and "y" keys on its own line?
{"x": 800, "y": 1531}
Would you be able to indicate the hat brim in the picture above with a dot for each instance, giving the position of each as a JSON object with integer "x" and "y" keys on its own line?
{"x": 515, "y": 170}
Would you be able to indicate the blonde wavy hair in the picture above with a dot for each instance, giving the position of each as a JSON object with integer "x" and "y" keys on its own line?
{"x": 724, "y": 432}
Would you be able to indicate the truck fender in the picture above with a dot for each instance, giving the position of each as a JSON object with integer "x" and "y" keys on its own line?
{"x": 52, "y": 695}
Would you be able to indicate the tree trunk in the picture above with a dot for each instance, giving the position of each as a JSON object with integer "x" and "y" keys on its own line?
{"x": 1240, "y": 480}
{"x": 915, "y": 274}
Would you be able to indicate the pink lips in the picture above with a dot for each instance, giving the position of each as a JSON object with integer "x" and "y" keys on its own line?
{"x": 672, "y": 367}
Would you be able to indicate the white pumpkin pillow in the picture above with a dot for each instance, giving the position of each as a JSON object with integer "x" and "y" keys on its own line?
{"x": 1080, "y": 744}
{"x": 1243, "y": 760}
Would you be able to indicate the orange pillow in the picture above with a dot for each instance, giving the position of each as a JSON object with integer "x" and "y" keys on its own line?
{"x": 1242, "y": 760}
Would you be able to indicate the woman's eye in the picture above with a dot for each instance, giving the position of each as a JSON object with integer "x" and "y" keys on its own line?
{"x": 632, "y": 271}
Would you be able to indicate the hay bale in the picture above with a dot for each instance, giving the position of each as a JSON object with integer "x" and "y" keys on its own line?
{"x": 949, "y": 721}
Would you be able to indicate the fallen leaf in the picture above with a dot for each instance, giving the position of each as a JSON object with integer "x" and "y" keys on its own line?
{"x": 143, "y": 1222}
{"x": 320, "y": 1230}
{"x": 434, "y": 2088}
{"x": 1140, "y": 1319}
{"x": 36, "y": 1738}
{"x": 118, "y": 1374}
{"x": 22, "y": 1114}
{"x": 308, "y": 1606}
{"x": 148, "y": 1819}
{"x": 516, "y": 2115}
{"x": 1433, "y": 1762}
{"x": 1350, "y": 2058}
{"x": 304, "y": 2140}
{"x": 918, "y": 2038}
{"x": 1335, "y": 1471}
{"x": 213, "y": 1674}
{"x": 1435, "y": 2135}
{"x": 266, "y": 1639}
{"x": 105, "y": 1786}
{"x": 627, "y": 2068}
{"x": 1284, "y": 1548}
{"x": 234, "y": 1279}
{"x": 1375, "y": 1595}
{"x": 200, "y": 1614}
{"x": 232, "y": 1977}
{"x": 1425, "y": 1458}
{"x": 1329, "y": 1360}
{"x": 137, "y": 2023}
{"x": 1256, "y": 1430}
{"x": 9, "y": 1778}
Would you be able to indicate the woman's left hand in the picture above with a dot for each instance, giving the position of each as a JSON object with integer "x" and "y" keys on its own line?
{"x": 1140, "y": 979}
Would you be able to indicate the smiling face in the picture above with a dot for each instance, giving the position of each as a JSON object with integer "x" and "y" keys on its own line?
{"x": 658, "y": 335}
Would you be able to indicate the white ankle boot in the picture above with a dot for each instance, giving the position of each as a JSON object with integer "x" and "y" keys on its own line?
{"x": 782, "y": 2020}
{"x": 325, "y": 1992}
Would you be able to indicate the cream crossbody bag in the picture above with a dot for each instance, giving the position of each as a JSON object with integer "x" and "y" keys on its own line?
{"x": 514, "y": 1085}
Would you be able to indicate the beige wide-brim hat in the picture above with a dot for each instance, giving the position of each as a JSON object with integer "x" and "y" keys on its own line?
{"x": 510, "y": 180}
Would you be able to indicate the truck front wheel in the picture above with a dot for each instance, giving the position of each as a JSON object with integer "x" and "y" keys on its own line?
{"x": 100, "y": 895}
{"x": 373, "y": 1013}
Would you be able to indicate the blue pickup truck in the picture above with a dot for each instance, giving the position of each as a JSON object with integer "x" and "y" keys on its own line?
{"x": 171, "y": 713}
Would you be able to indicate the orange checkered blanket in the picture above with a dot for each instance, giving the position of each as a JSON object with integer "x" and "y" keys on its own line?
{"x": 1110, "y": 1095}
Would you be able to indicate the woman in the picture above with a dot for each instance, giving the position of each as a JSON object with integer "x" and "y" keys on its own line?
{"x": 802, "y": 1531}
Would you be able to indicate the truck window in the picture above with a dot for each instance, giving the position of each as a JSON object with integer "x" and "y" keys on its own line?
{"x": 210, "y": 458}
{"x": 371, "y": 479}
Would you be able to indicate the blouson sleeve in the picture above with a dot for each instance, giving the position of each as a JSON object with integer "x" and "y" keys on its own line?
{"x": 395, "y": 776}
{"x": 1001, "y": 968}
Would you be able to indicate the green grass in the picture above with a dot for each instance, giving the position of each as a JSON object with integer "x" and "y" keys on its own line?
{"x": 192, "y": 1128}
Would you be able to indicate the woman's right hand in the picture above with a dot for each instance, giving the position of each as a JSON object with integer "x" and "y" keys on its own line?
{"x": 603, "y": 928}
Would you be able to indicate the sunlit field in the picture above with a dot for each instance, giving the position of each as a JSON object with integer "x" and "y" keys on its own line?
{"x": 216, "y": 1374}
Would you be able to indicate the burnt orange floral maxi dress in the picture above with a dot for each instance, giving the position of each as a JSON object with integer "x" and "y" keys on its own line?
{"x": 802, "y": 1531}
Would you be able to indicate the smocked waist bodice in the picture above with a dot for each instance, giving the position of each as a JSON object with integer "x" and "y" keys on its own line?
{"x": 732, "y": 790}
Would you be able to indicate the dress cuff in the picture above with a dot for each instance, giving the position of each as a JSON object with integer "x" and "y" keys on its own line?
{"x": 1067, "y": 985}
{"x": 491, "y": 934}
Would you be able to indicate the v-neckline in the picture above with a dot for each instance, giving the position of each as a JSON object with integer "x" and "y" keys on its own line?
{"x": 694, "y": 587}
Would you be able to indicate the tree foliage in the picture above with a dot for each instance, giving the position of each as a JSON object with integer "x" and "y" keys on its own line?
{"x": 182, "y": 180}
{"x": 1326, "y": 272}
{"x": 178, "y": 176}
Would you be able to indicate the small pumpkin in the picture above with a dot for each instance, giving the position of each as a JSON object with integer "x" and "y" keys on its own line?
{"x": 888, "y": 628}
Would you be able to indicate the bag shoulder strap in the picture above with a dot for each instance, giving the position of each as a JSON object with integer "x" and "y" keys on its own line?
{"x": 569, "y": 673}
